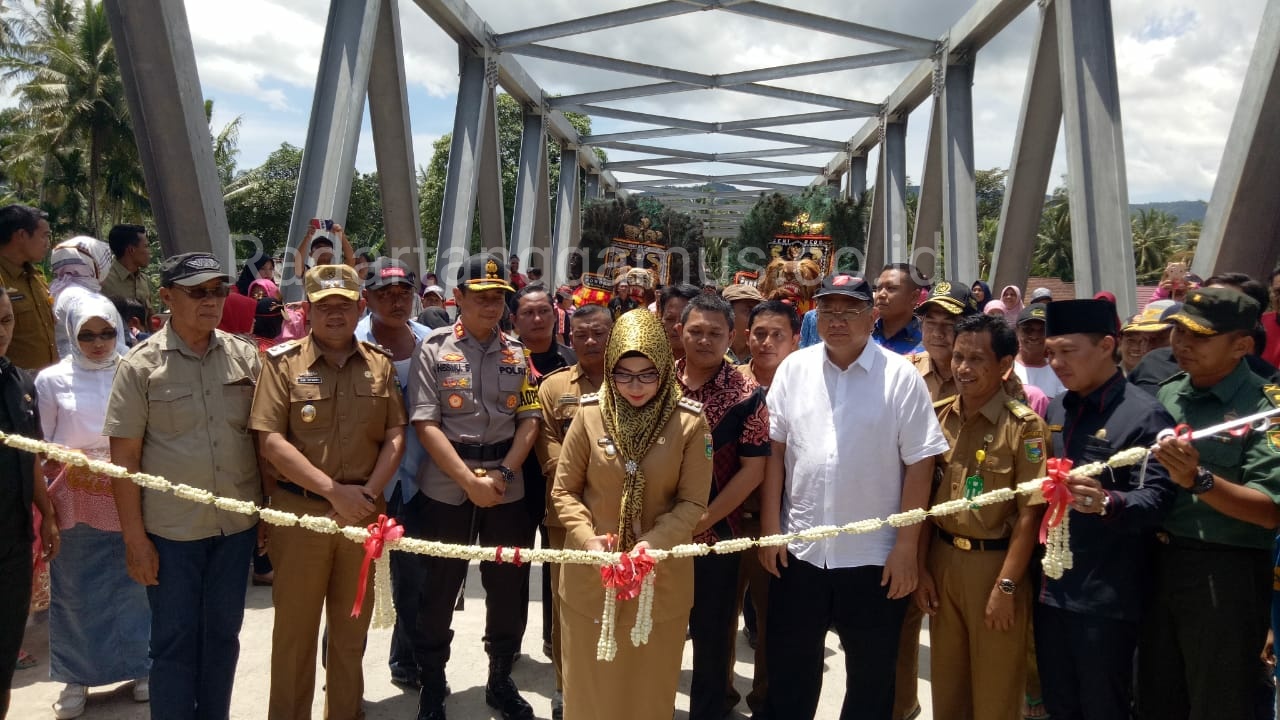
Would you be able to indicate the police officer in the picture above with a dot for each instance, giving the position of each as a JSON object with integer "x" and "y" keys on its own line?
{"x": 972, "y": 576}
{"x": 476, "y": 412}
{"x": 560, "y": 394}
{"x": 330, "y": 419}
{"x": 1086, "y": 622}
{"x": 1212, "y": 580}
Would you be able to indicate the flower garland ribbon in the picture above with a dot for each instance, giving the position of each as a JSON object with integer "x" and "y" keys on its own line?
{"x": 1056, "y": 494}
{"x": 383, "y": 531}
{"x": 629, "y": 578}
{"x": 626, "y": 575}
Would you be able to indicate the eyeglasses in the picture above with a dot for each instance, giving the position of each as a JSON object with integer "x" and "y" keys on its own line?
{"x": 88, "y": 337}
{"x": 841, "y": 315}
{"x": 200, "y": 293}
{"x": 644, "y": 378}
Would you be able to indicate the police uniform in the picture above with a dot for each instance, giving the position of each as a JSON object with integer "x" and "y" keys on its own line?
{"x": 958, "y": 301}
{"x": 981, "y": 672}
{"x": 1086, "y": 622}
{"x": 1210, "y": 608}
{"x": 32, "y": 347}
{"x": 559, "y": 395}
{"x": 477, "y": 393}
{"x": 339, "y": 419}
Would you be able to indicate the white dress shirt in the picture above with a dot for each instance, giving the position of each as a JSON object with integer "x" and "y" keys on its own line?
{"x": 1042, "y": 377}
{"x": 849, "y": 434}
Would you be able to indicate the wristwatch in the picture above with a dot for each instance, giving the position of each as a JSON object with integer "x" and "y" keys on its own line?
{"x": 508, "y": 475}
{"x": 1203, "y": 481}
{"x": 1007, "y": 586}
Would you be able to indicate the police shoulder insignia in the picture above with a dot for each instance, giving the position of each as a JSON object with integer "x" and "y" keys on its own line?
{"x": 939, "y": 404}
{"x": 589, "y": 399}
{"x": 691, "y": 405}
{"x": 1033, "y": 447}
{"x": 377, "y": 348}
{"x": 1020, "y": 410}
{"x": 1273, "y": 394}
{"x": 282, "y": 348}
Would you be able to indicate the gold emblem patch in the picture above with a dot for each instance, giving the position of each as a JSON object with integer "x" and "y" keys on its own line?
{"x": 308, "y": 413}
{"x": 942, "y": 288}
{"x": 455, "y": 401}
{"x": 491, "y": 270}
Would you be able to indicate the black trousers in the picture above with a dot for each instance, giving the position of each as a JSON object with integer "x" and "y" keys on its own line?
{"x": 803, "y": 604}
{"x": 1199, "y": 657}
{"x": 408, "y": 576}
{"x": 466, "y": 524}
{"x": 1086, "y": 664}
{"x": 15, "y": 602}
{"x": 715, "y": 580}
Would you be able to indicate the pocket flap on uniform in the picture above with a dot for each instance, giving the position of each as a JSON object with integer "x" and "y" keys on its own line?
{"x": 305, "y": 393}
{"x": 169, "y": 393}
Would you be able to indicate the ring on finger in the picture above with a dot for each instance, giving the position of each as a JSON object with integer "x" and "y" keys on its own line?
{"x": 1087, "y": 501}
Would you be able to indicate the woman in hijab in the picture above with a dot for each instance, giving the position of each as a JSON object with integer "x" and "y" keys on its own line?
{"x": 981, "y": 292}
{"x": 261, "y": 266}
{"x": 264, "y": 288}
{"x": 268, "y": 321}
{"x": 79, "y": 267}
{"x": 995, "y": 307}
{"x": 634, "y": 473}
{"x": 99, "y": 619}
{"x": 1011, "y": 296}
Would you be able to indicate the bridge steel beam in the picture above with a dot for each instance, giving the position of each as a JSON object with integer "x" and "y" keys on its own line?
{"x": 531, "y": 217}
{"x": 959, "y": 187}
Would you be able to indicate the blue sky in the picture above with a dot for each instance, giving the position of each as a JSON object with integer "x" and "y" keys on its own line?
{"x": 1181, "y": 68}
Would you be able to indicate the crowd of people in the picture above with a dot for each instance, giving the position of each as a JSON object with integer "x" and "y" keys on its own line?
{"x": 505, "y": 413}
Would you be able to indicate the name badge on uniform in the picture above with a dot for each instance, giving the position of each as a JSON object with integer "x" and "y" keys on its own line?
{"x": 309, "y": 379}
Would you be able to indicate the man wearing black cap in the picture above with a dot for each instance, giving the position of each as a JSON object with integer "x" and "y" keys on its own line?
{"x": 1212, "y": 565}
{"x": 475, "y": 409}
{"x": 330, "y": 418}
{"x": 179, "y": 408}
{"x": 1086, "y": 622}
{"x": 388, "y": 293}
{"x": 1032, "y": 366}
{"x": 831, "y": 408}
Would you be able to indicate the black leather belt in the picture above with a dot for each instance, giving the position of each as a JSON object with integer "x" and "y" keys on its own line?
{"x": 478, "y": 452}
{"x": 298, "y": 490}
{"x": 968, "y": 544}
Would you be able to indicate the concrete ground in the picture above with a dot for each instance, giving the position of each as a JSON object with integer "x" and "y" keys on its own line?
{"x": 34, "y": 693}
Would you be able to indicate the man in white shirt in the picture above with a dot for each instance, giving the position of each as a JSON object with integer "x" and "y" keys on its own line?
{"x": 1032, "y": 365}
{"x": 832, "y": 407}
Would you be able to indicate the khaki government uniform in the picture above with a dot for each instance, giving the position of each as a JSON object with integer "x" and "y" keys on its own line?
{"x": 338, "y": 418}
{"x": 32, "y": 347}
{"x": 938, "y": 388}
{"x": 980, "y": 674}
{"x": 560, "y": 395}
{"x": 122, "y": 283}
{"x": 191, "y": 413}
{"x": 587, "y": 496}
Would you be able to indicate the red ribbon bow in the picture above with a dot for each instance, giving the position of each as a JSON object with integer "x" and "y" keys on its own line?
{"x": 627, "y": 574}
{"x": 384, "y": 531}
{"x": 1056, "y": 494}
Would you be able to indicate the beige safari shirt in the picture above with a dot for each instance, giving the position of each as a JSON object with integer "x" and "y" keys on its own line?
{"x": 122, "y": 283}
{"x": 192, "y": 414}
{"x": 560, "y": 395}
{"x": 32, "y": 347}
{"x": 477, "y": 393}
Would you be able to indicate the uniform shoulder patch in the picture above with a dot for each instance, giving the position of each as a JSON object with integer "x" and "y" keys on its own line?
{"x": 377, "y": 348}
{"x": 690, "y": 405}
{"x": 1020, "y": 410}
{"x": 589, "y": 399}
{"x": 939, "y": 404}
{"x": 1273, "y": 394}
{"x": 282, "y": 348}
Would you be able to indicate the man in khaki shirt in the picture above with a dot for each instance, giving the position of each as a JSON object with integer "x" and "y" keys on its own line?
{"x": 330, "y": 417}
{"x": 179, "y": 408}
{"x": 973, "y": 572}
{"x": 560, "y": 395}
{"x": 24, "y": 241}
{"x": 128, "y": 277}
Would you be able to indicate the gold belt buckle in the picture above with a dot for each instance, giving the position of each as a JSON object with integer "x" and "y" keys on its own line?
{"x": 962, "y": 543}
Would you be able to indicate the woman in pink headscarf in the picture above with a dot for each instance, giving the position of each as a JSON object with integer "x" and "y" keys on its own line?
{"x": 995, "y": 307}
{"x": 1011, "y": 296}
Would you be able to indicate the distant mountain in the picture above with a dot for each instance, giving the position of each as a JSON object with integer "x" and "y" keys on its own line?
{"x": 1184, "y": 210}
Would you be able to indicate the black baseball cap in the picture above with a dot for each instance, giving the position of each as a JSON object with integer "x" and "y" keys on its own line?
{"x": 1033, "y": 312}
{"x": 191, "y": 269}
{"x": 1213, "y": 311}
{"x": 484, "y": 272}
{"x": 385, "y": 272}
{"x": 847, "y": 284}
{"x": 955, "y": 299}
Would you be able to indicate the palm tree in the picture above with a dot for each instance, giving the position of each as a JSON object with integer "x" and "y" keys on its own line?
{"x": 1154, "y": 234}
{"x": 1053, "y": 256}
{"x": 226, "y": 144}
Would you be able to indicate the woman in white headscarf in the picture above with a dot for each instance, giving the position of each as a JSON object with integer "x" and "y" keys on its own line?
{"x": 79, "y": 267}
{"x": 99, "y": 619}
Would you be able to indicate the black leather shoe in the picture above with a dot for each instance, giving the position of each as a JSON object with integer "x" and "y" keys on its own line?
{"x": 431, "y": 698}
{"x": 501, "y": 693}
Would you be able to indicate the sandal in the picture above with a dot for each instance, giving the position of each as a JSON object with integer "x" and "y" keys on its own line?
{"x": 1033, "y": 709}
{"x": 26, "y": 660}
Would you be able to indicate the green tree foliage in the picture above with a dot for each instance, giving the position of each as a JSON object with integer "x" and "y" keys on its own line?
{"x": 510, "y": 132}
{"x": 1052, "y": 256}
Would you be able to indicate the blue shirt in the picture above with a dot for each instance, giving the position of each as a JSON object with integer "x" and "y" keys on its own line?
{"x": 414, "y": 453}
{"x": 809, "y": 329}
{"x": 909, "y": 339}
